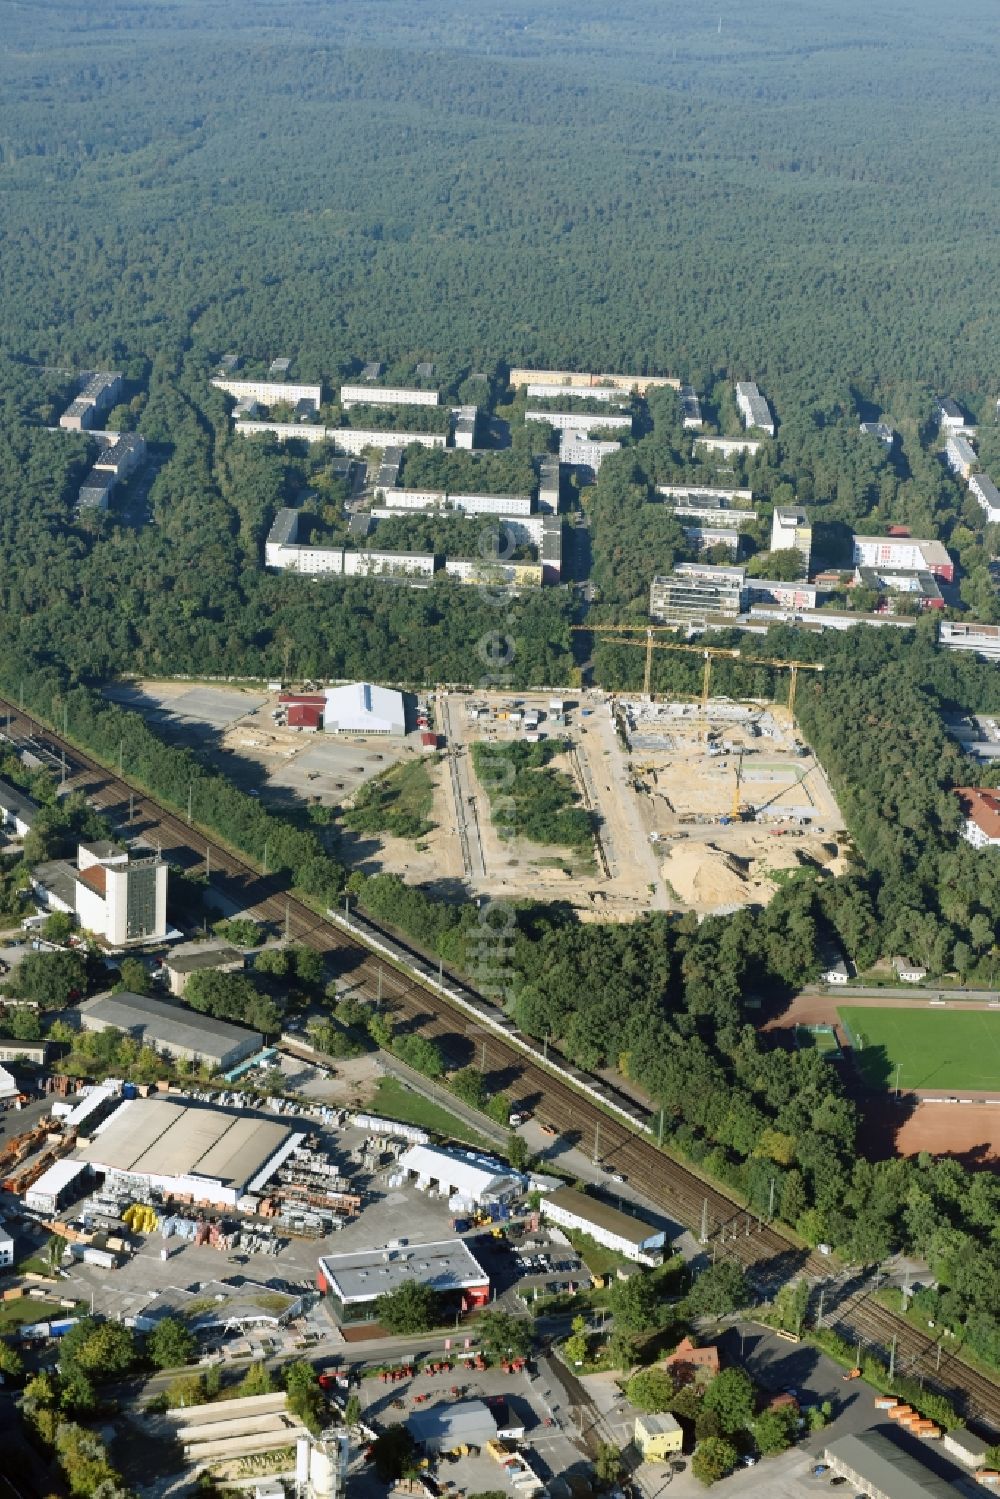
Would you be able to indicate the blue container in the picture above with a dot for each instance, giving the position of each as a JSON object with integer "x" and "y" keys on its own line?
{"x": 130, "y": 1091}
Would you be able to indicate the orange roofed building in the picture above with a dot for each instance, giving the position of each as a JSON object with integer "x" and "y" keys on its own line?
{"x": 687, "y": 1360}
{"x": 981, "y": 808}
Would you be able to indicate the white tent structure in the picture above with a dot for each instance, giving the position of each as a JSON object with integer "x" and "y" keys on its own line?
{"x": 467, "y": 1178}
{"x": 8, "y": 1085}
{"x": 361, "y": 708}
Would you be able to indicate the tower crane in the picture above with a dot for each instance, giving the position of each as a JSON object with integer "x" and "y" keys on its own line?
{"x": 607, "y": 633}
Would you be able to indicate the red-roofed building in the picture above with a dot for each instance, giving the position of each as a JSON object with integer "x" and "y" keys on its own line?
{"x": 687, "y": 1360}
{"x": 428, "y": 742}
{"x": 982, "y": 815}
{"x": 314, "y": 699}
{"x": 96, "y": 876}
{"x": 306, "y": 715}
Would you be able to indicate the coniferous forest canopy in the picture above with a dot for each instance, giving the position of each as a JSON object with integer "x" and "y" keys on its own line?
{"x": 806, "y": 197}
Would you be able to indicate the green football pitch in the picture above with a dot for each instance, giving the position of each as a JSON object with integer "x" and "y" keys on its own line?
{"x": 952, "y": 1049}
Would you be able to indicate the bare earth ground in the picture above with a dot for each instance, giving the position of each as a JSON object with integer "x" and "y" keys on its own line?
{"x": 661, "y": 843}
{"x": 927, "y": 1119}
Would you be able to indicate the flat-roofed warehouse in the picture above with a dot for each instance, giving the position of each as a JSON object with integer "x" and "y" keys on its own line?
{"x": 171, "y": 1029}
{"x": 877, "y": 1466}
{"x": 187, "y": 1150}
{"x": 631, "y": 1237}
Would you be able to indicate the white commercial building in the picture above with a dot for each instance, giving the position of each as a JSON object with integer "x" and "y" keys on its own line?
{"x": 467, "y": 1178}
{"x": 753, "y": 408}
{"x": 361, "y": 708}
{"x": 6, "y": 1248}
{"x": 8, "y": 1086}
{"x": 385, "y": 395}
{"x": 17, "y": 811}
{"x": 61, "y": 1183}
{"x": 628, "y": 1236}
{"x": 115, "y": 893}
{"x": 205, "y": 1154}
{"x": 271, "y": 392}
{"x": 121, "y": 897}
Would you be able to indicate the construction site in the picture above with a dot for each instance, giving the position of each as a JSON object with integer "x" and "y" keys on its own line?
{"x": 731, "y": 800}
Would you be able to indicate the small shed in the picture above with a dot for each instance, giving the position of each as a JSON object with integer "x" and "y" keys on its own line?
{"x": 966, "y": 1446}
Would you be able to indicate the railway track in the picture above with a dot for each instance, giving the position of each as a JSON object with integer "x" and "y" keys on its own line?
{"x": 769, "y": 1258}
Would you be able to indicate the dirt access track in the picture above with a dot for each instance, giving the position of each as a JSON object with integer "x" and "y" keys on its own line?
{"x": 925, "y": 1119}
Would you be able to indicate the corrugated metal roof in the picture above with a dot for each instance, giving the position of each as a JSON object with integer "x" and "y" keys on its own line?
{"x": 169, "y": 1025}
{"x": 161, "y": 1137}
{"x": 887, "y": 1467}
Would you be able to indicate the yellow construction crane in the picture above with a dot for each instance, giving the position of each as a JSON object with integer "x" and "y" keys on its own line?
{"x": 709, "y": 652}
{"x": 606, "y": 633}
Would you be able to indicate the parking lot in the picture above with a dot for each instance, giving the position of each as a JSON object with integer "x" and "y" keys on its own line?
{"x": 237, "y": 728}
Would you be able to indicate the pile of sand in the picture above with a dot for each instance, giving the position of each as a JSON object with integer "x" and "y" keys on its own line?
{"x": 703, "y": 875}
{"x": 777, "y": 857}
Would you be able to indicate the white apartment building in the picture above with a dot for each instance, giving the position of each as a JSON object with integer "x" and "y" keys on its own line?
{"x": 270, "y": 392}
{"x": 791, "y": 531}
{"x": 963, "y": 635}
{"x": 352, "y": 440}
{"x": 613, "y": 394}
{"x": 949, "y": 416}
{"x": 905, "y": 553}
{"x": 580, "y": 451}
{"x": 753, "y": 408}
{"x": 581, "y": 421}
{"x": 386, "y": 395}
{"x": 960, "y": 455}
{"x": 983, "y": 489}
{"x": 690, "y": 409}
{"x": 729, "y": 447}
{"x": 548, "y": 486}
{"x": 689, "y": 494}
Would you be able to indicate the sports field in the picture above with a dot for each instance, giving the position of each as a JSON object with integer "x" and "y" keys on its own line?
{"x": 950, "y": 1049}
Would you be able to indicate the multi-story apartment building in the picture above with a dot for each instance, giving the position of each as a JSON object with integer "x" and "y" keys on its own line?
{"x": 271, "y": 392}
{"x": 753, "y": 408}
{"x": 694, "y": 592}
{"x": 904, "y": 553}
{"x": 386, "y": 395}
{"x": 791, "y": 531}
